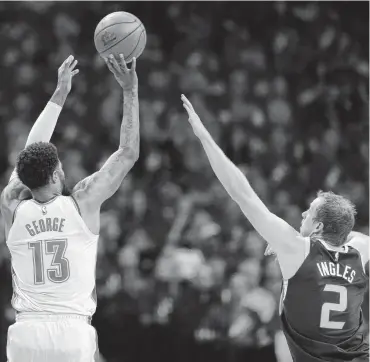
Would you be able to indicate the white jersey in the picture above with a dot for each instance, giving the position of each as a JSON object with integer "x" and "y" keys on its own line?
{"x": 53, "y": 255}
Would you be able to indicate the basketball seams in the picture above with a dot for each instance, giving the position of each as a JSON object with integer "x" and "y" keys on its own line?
{"x": 113, "y": 45}
{"x": 108, "y": 26}
{"x": 108, "y": 38}
{"x": 138, "y": 42}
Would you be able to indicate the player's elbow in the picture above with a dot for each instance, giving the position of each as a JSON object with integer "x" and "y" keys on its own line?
{"x": 130, "y": 154}
{"x": 136, "y": 155}
{"x": 239, "y": 189}
{"x": 247, "y": 202}
{"x": 133, "y": 158}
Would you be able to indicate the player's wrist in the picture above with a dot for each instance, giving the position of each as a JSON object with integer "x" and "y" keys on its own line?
{"x": 63, "y": 89}
{"x": 202, "y": 133}
{"x": 132, "y": 90}
{"x": 60, "y": 95}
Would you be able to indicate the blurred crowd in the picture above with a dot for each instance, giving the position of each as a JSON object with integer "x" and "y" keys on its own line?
{"x": 283, "y": 89}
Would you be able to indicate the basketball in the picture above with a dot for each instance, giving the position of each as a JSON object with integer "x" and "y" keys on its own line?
{"x": 120, "y": 32}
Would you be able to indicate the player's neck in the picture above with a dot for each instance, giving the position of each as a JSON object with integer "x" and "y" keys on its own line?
{"x": 44, "y": 194}
{"x": 329, "y": 245}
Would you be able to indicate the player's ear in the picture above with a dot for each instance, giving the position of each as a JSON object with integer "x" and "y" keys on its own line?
{"x": 319, "y": 227}
{"x": 54, "y": 178}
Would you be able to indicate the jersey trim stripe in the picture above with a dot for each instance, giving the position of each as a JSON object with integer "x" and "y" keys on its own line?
{"x": 341, "y": 249}
{"x": 76, "y": 204}
{"x": 46, "y": 202}
{"x": 80, "y": 216}
{"x": 284, "y": 289}
{"x": 16, "y": 209}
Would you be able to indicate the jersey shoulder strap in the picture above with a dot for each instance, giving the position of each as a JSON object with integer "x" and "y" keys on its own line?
{"x": 290, "y": 265}
{"x": 70, "y": 203}
{"x": 9, "y": 215}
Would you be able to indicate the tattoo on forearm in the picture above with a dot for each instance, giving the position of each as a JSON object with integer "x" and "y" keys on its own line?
{"x": 106, "y": 181}
{"x": 129, "y": 139}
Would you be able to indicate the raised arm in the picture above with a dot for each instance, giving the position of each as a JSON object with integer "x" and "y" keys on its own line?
{"x": 91, "y": 192}
{"x": 42, "y": 129}
{"x": 285, "y": 240}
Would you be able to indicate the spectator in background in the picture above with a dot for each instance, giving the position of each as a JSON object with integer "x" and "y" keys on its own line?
{"x": 261, "y": 75}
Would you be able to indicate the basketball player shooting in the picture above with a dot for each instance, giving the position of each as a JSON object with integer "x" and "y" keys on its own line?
{"x": 52, "y": 236}
{"x": 323, "y": 266}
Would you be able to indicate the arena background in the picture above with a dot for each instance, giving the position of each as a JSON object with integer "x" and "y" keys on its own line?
{"x": 282, "y": 87}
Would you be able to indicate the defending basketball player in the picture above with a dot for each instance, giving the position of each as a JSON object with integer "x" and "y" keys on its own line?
{"x": 52, "y": 235}
{"x": 324, "y": 281}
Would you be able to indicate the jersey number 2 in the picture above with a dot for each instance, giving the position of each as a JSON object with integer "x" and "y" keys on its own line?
{"x": 59, "y": 271}
{"x": 325, "y": 321}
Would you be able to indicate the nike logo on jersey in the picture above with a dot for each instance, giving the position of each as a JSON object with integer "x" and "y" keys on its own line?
{"x": 44, "y": 225}
{"x": 327, "y": 269}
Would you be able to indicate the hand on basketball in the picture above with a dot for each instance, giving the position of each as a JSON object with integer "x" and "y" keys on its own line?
{"x": 194, "y": 119}
{"x": 126, "y": 78}
{"x": 66, "y": 72}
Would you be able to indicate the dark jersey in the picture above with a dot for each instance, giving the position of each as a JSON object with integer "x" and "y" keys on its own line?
{"x": 321, "y": 312}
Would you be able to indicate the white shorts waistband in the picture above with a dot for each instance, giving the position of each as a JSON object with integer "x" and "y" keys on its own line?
{"x": 50, "y": 317}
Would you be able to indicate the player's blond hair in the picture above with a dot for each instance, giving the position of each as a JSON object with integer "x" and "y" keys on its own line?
{"x": 337, "y": 214}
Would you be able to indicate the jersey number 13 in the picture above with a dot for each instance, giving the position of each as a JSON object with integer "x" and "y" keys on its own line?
{"x": 58, "y": 272}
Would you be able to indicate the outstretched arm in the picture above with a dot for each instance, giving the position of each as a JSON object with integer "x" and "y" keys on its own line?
{"x": 101, "y": 185}
{"x": 285, "y": 240}
{"x": 44, "y": 126}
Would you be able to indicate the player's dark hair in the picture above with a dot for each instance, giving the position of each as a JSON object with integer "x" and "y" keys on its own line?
{"x": 36, "y": 164}
{"x": 338, "y": 216}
